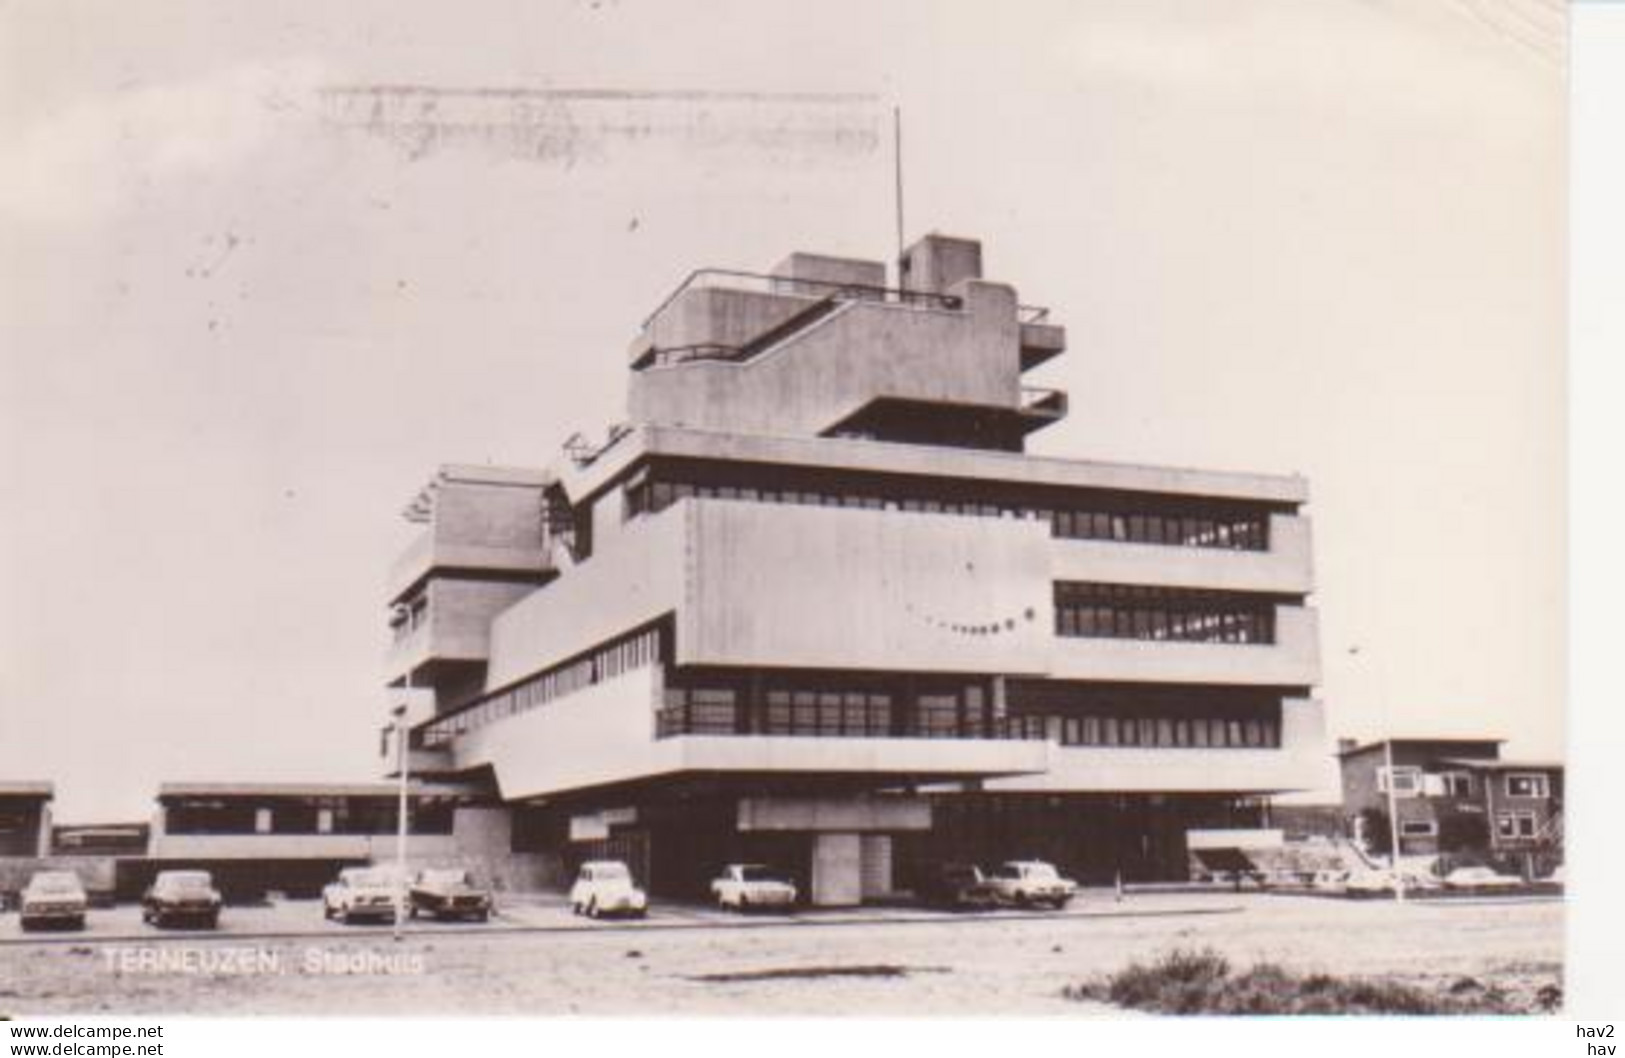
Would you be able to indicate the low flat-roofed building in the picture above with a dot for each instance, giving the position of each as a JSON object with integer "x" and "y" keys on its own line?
{"x": 295, "y": 837}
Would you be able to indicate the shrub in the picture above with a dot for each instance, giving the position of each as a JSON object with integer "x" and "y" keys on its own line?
{"x": 1201, "y": 982}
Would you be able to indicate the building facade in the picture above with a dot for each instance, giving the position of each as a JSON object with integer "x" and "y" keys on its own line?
{"x": 814, "y": 604}
{"x": 1455, "y": 795}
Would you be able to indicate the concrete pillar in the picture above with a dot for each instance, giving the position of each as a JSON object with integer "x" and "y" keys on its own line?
{"x": 876, "y": 868}
{"x": 837, "y": 870}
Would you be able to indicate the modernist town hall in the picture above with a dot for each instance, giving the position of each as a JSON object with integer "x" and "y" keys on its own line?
{"x": 813, "y": 605}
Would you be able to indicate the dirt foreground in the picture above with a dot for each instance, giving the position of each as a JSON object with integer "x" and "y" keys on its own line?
{"x": 1008, "y": 963}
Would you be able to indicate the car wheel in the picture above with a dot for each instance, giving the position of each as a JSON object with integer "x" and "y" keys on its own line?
{"x": 483, "y": 916}
{"x": 744, "y": 904}
{"x": 592, "y": 908}
{"x": 212, "y": 921}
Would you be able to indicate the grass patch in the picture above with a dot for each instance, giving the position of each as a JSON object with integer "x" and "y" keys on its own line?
{"x": 810, "y": 973}
{"x": 1204, "y": 982}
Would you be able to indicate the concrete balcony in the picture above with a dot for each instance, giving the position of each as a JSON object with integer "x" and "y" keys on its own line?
{"x": 454, "y": 624}
{"x": 427, "y": 553}
{"x": 1293, "y": 660}
{"x": 606, "y": 734}
{"x": 1285, "y": 569}
{"x": 1040, "y": 342}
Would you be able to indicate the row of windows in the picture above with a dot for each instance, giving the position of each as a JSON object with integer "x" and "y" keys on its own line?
{"x": 1234, "y": 530}
{"x": 1411, "y": 781}
{"x": 1120, "y": 611}
{"x": 965, "y": 711}
{"x": 1171, "y": 732}
{"x": 831, "y": 712}
{"x": 324, "y": 815}
{"x": 638, "y": 650}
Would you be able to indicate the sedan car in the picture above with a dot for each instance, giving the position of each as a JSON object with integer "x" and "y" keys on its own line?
{"x": 1480, "y": 879}
{"x": 605, "y": 887}
{"x": 959, "y": 887}
{"x": 53, "y": 898}
{"x": 361, "y": 893}
{"x": 742, "y": 886}
{"x": 1031, "y": 883}
{"x": 181, "y": 897}
{"x": 448, "y": 892}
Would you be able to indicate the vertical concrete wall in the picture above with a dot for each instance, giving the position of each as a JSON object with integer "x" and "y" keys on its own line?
{"x": 837, "y": 870}
{"x": 876, "y": 868}
{"x": 854, "y": 589}
{"x": 862, "y": 351}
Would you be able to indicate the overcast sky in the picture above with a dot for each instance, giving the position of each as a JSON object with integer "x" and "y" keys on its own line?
{"x": 240, "y": 325}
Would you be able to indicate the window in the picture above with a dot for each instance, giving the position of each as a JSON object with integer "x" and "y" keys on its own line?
{"x": 1130, "y": 611}
{"x": 1456, "y": 784}
{"x": 1527, "y": 784}
{"x": 1514, "y": 825}
{"x": 1407, "y": 781}
{"x": 1418, "y": 828}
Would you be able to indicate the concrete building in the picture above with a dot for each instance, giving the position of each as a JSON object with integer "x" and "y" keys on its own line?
{"x": 1456, "y": 795}
{"x": 813, "y": 604}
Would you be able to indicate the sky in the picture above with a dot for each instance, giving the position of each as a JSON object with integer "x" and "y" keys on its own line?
{"x": 242, "y": 319}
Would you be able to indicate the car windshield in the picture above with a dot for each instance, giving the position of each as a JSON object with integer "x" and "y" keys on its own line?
{"x": 62, "y": 882}
{"x": 610, "y": 872}
{"x": 445, "y": 877}
{"x": 370, "y": 879}
{"x": 758, "y": 873}
{"x": 185, "y": 880}
{"x": 1040, "y": 870}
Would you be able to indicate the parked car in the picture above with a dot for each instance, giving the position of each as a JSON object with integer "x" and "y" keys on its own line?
{"x": 959, "y": 886}
{"x": 1480, "y": 879}
{"x": 1031, "y": 883}
{"x": 181, "y": 897}
{"x": 53, "y": 898}
{"x": 746, "y": 885}
{"x": 1372, "y": 881}
{"x": 361, "y": 893}
{"x": 448, "y": 892}
{"x": 605, "y": 887}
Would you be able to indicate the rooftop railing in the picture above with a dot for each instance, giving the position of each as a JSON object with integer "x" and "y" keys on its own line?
{"x": 727, "y": 279}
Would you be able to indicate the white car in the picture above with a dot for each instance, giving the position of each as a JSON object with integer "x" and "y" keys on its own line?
{"x": 1031, "y": 883}
{"x": 1472, "y": 878}
{"x": 362, "y": 893}
{"x": 747, "y": 885}
{"x": 53, "y": 898}
{"x": 605, "y": 887}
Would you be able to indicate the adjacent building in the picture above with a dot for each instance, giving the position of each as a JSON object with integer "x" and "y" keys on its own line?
{"x": 295, "y": 837}
{"x": 1453, "y": 795}
{"x": 813, "y": 603}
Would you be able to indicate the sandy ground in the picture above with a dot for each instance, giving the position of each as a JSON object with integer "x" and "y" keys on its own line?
{"x": 538, "y": 960}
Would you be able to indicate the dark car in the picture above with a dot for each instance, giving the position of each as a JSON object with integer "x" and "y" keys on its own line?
{"x": 177, "y": 897}
{"x": 959, "y": 887}
{"x": 448, "y": 892}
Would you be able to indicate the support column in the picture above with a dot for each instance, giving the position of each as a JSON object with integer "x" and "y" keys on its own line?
{"x": 837, "y": 870}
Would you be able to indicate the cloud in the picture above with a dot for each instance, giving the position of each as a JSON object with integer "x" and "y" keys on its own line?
{"x": 81, "y": 164}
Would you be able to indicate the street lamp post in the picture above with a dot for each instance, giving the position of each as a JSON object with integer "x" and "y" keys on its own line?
{"x": 400, "y": 818}
{"x": 1393, "y": 823}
